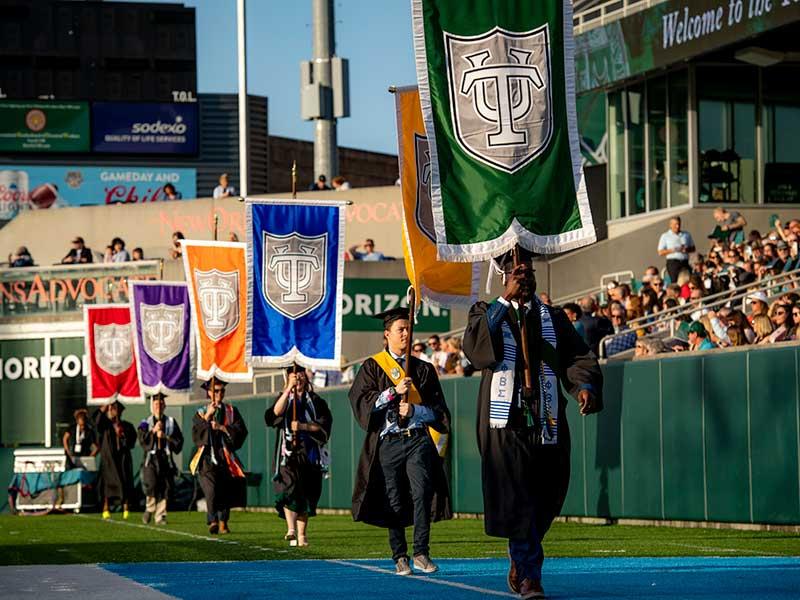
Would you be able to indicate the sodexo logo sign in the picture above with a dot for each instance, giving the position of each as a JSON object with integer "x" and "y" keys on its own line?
{"x": 146, "y": 128}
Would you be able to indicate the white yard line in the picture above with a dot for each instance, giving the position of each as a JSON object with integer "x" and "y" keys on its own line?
{"x": 454, "y": 584}
{"x": 725, "y": 550}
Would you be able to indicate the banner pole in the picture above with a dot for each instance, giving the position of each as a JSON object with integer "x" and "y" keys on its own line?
{"x": 294, "y": 180}
{"x": 216, "y": 226}
{"x": 412, "y": 303}
{"x": 527, "y": 390}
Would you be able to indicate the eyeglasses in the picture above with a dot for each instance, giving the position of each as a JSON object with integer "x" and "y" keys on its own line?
{"x": 617, "y": 317}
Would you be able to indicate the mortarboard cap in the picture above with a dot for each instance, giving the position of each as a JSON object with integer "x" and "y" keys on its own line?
{"x": 390, "y": 316}
{"x": 506, "y": 260}
{"x": 207, "y": 384}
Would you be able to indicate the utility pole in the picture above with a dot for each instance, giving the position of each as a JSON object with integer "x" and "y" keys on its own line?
{"x": 243, "y": 114}
{"x": 324, "y": 89}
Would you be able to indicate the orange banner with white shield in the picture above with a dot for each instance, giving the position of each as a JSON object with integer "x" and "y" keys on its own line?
{"x": 217, "y": 276}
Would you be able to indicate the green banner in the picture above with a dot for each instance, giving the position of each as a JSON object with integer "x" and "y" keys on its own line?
{"x": 44, "y": 126}
{"x": 364, "y": 298}
{"x": 671, "y": 32}
{"x": 497, "y": 90}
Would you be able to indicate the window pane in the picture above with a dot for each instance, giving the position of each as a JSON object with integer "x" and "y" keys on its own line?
{"x": 636, "y": 177}
{"x": 787, "y": 134}
{"x": 678, "y": 131}
{"x": 657, "y": 142}
{"x": 744, "y": 138}
{"x": 616, "y": 156}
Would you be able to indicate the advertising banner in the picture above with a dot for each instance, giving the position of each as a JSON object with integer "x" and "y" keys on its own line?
{"x": 27, "y": 187}
{"x": 365, "y": 298}
{"x": 144, "y": 128}
{"x": 670, "y": 32}
{"x": 44, "y": 126}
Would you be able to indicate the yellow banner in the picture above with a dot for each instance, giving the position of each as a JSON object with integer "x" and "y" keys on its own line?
{"x": 437, "y": 282}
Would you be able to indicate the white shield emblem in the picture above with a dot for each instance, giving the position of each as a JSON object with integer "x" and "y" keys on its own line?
{"x": 423, "y": 215}
{"x": 500, "y": 95}
{"x": 112, "y": 347}
{"x": 218, "y": 295}
{"x": 162, "y": 330}
{"x": 294, "y": 272}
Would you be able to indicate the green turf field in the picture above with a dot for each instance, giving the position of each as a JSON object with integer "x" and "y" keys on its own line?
{"x": 65, "y": 539}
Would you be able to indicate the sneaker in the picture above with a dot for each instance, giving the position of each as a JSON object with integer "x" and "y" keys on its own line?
{"x": 422, "y": 562}
{"x": 213, "y": 528}
{"x": 223, "y": 527}
{"x": 162, "y": 521}
{"x": 146, "y": 516}
{"x": 401, "y": 566}
{"x": 106, "y": 514}
{"x": 125, "y": 514}
{"x": 290, "y": 535}
{"x": 530, "y": 589}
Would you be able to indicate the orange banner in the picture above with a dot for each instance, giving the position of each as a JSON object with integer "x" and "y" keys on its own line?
{"x": 437, "y": 282}
{"x": 217, "y": 278}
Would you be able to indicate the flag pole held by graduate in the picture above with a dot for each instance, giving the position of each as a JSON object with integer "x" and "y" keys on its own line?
{"x": 295, "y": 262}
{"x": 436, "y": 282}
{"x": 505, "y": 169}
{"x": 412, "y": 313}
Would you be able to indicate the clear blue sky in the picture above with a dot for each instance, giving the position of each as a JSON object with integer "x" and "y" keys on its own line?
{"x": 374, "y": 34}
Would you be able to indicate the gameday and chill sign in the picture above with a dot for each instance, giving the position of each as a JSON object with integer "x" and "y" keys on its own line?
{"x": 144, "y": 128}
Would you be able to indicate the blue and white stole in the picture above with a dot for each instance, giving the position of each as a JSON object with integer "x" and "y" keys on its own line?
{"x": 503, "y": 376}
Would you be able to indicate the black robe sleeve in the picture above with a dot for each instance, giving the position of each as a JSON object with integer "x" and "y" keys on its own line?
{"x": 479, "y": 345}
{"x": 102, "y": 423}
{"x": 578, "y": 364}
{"x": 175, "y": 441}
{"x": 146, "y": 436}
{"x": 273, "y": 420}
{"x": 364, "y": 394}
{"x": 237, "y": 431}
{"x": 324, "y": 420}
{"x": 430, "y": 390}
{"x": 201, "y": 430}
{"x": 129, "y": 434}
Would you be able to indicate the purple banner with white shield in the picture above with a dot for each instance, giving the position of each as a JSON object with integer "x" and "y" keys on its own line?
{"x": 160, "y": 314}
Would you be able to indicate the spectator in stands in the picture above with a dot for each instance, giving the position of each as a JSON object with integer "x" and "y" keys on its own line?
{"x": 657, "y": 285}
{"x": 698, "y": 338}
{"x": 319, "y": 185}
{"x": 647, "y": 347}
{"x": 170, "y": 193}
{"x": 340, "y": 184}
{"x": 738, "y": 320}
{"x": 79, "y": 254}
{"x": 649, "y": 274}
{"x": 763, "y": 327}
{"x": 438, "y": 354}
{"x": 233, "y": 237}
{"x": 20, "y": 258}
{"x": 595, "y": 326}
{"x": 759, "y": 305}
{"x": 545, "y": 298}
{"x": 676, "y": 245}
{"x": 784, "y": 256}
{"x": 619, "y": 343}
{"x": 650, "y": 303}
{"x": 419, "y": 351}
{"x": 369, "y": 254}
{"x": 736, "y": 337}
{"x": 224, "y": 189}
{"x": 782, "y": 321}
{"x": 729, "y": 223}
{"x": 457, "y": 362}
{"x": 176, "y": 252}
{"x": 118, "y": 251}
{"x": 138, "y": 254}
{"x": 574, "y": 312}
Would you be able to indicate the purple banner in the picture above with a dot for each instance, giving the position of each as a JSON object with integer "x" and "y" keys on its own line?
{"x": 160, "y": 313}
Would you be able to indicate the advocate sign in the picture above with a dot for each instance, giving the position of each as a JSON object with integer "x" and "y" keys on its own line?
{"x": 44, "y": 126}
{"x": 144, "y": 128}
{"x": 671, "y": 32}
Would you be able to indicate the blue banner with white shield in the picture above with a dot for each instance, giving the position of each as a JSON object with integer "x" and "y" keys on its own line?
{"x": 295, "y": 257}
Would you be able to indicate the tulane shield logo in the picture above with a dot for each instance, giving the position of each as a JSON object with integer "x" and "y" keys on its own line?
{"x": 218, "y": 295}
{"x": 113, "y": 350}
{"x": 423, "y": 214}
{"x": 294, "y": 272}
{"x": 162, "y": 330}
{"x": 500, "y": 95}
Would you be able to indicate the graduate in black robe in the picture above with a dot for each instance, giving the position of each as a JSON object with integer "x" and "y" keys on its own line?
{"x": 218, "y": 431}
{"x": 300, "y": 453}
{"x": 160, "y": 438}
{"x": 525, "y": 480}
{"x": 117, "y": 439}
{"x": 400, "y": 479}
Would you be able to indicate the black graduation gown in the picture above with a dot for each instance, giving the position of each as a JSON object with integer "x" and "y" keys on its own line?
{"x": 369, "y": 497}
{"x": 220, "y": 488}
{"x": 522, "y": 481}
{"x": 116, "y": 468}
{"x": 158, "y": 470}
{"x": 297, "y": 480}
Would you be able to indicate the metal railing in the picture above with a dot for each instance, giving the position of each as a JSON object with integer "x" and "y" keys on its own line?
{"x": 664, "y": 322}
{"x": 607, "y": 12}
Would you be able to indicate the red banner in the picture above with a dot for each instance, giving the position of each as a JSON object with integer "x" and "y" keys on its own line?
{"x": 109, "y": 346}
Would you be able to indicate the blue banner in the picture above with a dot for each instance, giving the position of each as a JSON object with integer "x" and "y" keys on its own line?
{"x": 295, "y": 256}
{"x": 144, "y": 128}
{"x": 27, "y": 187}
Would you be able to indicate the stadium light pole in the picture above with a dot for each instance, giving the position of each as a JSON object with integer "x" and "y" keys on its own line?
{"x": 325, "y": 144}
{"x": 242, "y": 67}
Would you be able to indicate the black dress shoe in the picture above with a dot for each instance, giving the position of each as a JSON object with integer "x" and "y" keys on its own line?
{"x": 213, "y": 528}
{"x": 531, "y": 588}
{"x": 513, "y": 580}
